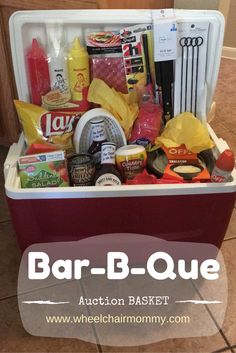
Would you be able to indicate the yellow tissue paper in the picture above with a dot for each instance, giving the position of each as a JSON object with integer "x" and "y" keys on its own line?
{"x": 188, "y": 130}
{"x": 124, "y": 107}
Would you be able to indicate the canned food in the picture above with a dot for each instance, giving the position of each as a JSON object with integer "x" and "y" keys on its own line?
{"x": 81, "y": 169}
{"x": 131, "y": 160}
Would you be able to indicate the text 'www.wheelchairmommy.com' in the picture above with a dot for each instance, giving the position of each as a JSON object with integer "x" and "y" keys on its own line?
{"x": 117, "y": 319}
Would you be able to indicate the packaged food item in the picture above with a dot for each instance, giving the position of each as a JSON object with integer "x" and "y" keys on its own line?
{"x": 147, "y": 125}
{"x": 38, "y": 73}
{"x": 131, "y": 160}
{"x": 137, "y": 71}
{"x": 223, "y": 167}
{"x": 78, "y": 67}
{"x": 106, "y": 61}
{"x": 43, "y": 170}
{"x": 47, "y": 127}
{"x": 81, "y": 169}
{"x": 107, "y": 175}
{"x": 178, "y": 163}
{"x": 37, "y": 148}
{"x": 99, "y": 135}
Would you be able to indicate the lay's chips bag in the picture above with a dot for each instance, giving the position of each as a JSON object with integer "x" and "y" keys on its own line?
{"x": 54, "y": 128}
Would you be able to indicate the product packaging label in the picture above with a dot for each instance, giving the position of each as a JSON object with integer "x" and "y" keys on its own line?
{"x": 43, "y": 170}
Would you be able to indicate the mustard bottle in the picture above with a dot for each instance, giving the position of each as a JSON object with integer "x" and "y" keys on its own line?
{"x": 78, "y": 70}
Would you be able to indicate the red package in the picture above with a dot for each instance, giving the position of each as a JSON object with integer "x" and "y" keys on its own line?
{"x": 37, "y": 148}
{"x": 147, "y": 125}
{"x": 145, "y": 178}
{"x": 110, "y": 70}
{"x": 106, "y": 59}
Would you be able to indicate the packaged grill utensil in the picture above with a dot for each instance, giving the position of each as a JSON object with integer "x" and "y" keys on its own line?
{"x": 138, "y": 72}
{"x": 190, "y": 68}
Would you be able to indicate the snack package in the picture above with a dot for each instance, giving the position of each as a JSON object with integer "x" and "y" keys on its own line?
{"x": 136, "y": 68}
{"x": 185, "y": 165}
{"x": 106, "y": 60}
{"x": 43, "y": 170}
{"x": 46, "y": 127}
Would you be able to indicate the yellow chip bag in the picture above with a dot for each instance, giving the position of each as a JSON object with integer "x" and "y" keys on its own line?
{"x": 47, "y": 127}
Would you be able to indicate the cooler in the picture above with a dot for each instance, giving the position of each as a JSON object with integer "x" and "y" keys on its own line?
{"x": 198, "y": 212}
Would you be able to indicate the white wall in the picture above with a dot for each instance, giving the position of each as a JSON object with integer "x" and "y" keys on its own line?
{"x": 197, "y": 4}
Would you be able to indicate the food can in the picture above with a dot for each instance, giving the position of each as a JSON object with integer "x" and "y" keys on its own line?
{"x": 81, "y": 169}
{"x": 131, "y": 160}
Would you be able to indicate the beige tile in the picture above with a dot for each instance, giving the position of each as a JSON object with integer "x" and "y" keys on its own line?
{"x": 13, "y": 337}
{"x": 198, "y": 315}
{"x": 188, "y": 345}
{"x": 229, "y": 327}
{"x": 9, "y": 260}
{"x": 231, "y": 231}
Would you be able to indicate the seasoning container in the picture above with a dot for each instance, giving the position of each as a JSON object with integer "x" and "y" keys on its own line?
{"x": 223, "y": 167}
{"x": 99, "y": 136}
{"x": 131, "y": 160}
{"x": 108, "y": 175}
{"x": 81, "y": 169}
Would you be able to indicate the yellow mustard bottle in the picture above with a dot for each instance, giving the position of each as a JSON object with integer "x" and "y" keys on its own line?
{"x": 78, "y": 70}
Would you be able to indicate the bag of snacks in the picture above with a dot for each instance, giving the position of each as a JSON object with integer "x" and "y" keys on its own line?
{"x": 52, "y": 128}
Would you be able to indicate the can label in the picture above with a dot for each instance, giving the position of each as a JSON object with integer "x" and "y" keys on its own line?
{"x": 130, "y": 166}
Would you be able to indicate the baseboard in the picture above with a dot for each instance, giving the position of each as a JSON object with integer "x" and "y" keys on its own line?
{"x": 229, "y": 52}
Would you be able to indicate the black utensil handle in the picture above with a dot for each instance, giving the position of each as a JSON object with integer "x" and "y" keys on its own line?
{"x": 146, "y": 55}
{"x": 167, "y": 83}
{"x": 158, "y": 81}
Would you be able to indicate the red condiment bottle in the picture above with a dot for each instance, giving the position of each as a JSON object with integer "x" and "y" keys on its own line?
{"x": 38, "y": 72}
{"x": 223, "y": 167}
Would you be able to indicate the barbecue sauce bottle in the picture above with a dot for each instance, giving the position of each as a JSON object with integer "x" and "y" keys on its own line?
{"x": 107, "y": 175}
{"x": 99, "y": 136}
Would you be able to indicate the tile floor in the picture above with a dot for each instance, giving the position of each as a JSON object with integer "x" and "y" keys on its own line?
{"x": 13, "y": 337}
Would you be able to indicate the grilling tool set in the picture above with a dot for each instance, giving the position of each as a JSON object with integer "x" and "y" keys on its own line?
{"x": 109, "y": 104}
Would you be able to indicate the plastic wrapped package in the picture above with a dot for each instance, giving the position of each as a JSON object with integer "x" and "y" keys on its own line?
{"x": 106, "y": 59}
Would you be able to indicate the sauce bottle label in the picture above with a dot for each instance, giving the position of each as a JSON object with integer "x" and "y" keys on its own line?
{"x": 108, "y": 154}
{"x": 108, "y": 179}
{"x": 220, "y": 176}
{"x": 99, "y": 132}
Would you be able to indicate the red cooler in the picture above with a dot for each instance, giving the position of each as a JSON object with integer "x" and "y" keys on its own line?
{"x": 197, "y": 212}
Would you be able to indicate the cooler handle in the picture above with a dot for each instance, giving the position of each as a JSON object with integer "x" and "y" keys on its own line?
{"x": 14, "y": 152}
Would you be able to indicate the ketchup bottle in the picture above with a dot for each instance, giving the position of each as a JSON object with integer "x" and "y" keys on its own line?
{"x": 223, "y": 167}
{"x": 38, "y": 72}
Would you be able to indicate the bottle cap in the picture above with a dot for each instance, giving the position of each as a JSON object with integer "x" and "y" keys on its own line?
{"x": 36, "y": 50}
{"x": 226, "y": 161}
{"x": 77, "y": 49}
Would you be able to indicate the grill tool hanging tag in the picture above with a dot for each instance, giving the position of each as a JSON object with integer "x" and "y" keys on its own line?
{"x": 190, "y": 94}
{"x": 164, "y": 53}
